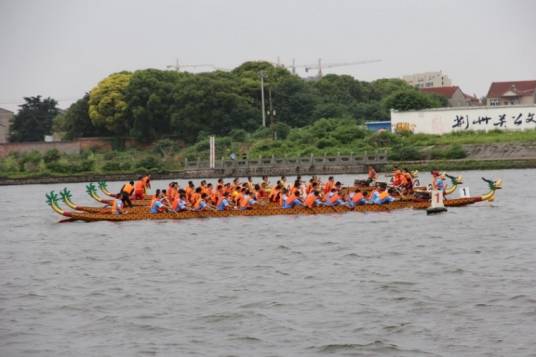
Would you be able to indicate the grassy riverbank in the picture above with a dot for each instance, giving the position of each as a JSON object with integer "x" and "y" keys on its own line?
{"x": 323, "y": 137}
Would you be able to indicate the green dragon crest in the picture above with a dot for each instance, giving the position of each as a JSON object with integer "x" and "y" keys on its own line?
{"x": 66, "y": 194}
{"x": 52, "y": 198}
{"x": 91, "y": 189}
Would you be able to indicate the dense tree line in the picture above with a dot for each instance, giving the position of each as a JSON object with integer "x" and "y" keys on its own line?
{"x": 152, "y": 104}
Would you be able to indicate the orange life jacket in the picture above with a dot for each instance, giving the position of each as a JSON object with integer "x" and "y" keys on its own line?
{"x": 327, "y": 187}
{"x": 172, "y": 193}
{"x": 194, "y": 197}
{"x": 310, "y": 200}
{"x": 383, "y": 195}
{"x": 127, "y": 188}
{"x": 357, "y": 197}
{"x": 146, "y": 182}
{"x": 291, "y": 198}
{"x": 244, "y": 201}
{"x": 334, "y": 198}
{"x": 139, "y": 186}
{"x": 403, "y": 181}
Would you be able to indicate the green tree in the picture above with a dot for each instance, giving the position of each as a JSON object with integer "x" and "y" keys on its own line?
{"x": 384, "y": 87}
{"x": 370, "y": 111}
{"x": 294, "y": 102}
{"x": 213, "y": 103}
{"x": 410, "y": 100}
{"x": 33, "y": 120}
{"x": 150, "y": 99}
{"x": 75, "y": 121}
{"x": 107, "y": 104}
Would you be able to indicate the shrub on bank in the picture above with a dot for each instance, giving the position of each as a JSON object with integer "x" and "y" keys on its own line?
{"x": 405, "y": 153}
{"x": 455, "y": 152}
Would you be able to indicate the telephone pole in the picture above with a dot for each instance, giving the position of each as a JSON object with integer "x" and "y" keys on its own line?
{"x": 263, "y": 74}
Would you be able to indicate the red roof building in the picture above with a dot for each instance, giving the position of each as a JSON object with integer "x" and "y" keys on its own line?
{"x": 454, "y": 95}
{"x": 511, "y": 93}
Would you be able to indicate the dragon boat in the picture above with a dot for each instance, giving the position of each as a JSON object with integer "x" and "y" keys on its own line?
{"x": 90, "y": 214}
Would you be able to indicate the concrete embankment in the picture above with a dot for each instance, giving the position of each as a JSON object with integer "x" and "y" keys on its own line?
{"x": 480, "y": 157}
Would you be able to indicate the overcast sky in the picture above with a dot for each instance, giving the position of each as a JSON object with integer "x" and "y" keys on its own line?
{"x": 62, "y": 48}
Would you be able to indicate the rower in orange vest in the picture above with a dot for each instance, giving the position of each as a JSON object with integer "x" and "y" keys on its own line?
{"x": 126, "y": 191}
{"x": 328, "y": 185}
{"x": 139, "y": 189}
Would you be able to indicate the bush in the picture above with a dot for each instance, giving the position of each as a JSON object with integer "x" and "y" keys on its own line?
{"x": 125, "y": 166}
{"x": 348, "y": 134}
{"x": 165, "y": 147}
{"x": 29, "y": 161}
{"x": 149, "y": 163}
{"x": 84, "y": 166}
{"x": 405, "y": 153}
{"x": 382, "y": 139}
{"x": 281, "y": 130}
{"x": 262, "y": 133}
{"x": 109, "y": 155}
{"x": 455, "y": 152}
{"x": 63, "y": 167}
{"x": 51, "y": 156}
{"x": 111, "y": 166}
{"x": 239, "y": 135}
{"x": 437, "y": 153}
{"x": 326, "y": 143}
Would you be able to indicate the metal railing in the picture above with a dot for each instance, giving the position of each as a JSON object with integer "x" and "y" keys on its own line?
{"x": 273, "y": 162}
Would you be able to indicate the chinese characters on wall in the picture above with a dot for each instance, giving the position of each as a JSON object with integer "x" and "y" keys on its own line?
{"x": 499, "y": 121}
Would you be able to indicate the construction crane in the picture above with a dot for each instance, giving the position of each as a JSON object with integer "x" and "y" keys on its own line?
{"x": 177, "y": 67}
{"x": 319, "y": 66}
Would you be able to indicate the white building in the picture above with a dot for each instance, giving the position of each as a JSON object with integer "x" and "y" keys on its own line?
{"x": 428, "y": 80}
{"x": 447, "y": 120}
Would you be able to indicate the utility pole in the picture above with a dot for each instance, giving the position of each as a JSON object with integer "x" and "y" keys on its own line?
{"x": 263, "y": 74}
{"x": 271, "y": 113}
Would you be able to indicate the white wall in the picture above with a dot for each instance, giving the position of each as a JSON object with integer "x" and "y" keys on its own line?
{"x": 446, "y": 120}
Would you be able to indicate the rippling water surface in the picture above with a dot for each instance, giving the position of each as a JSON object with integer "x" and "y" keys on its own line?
{"x": 378, "y": 284}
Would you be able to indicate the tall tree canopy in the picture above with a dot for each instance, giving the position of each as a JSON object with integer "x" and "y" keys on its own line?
{"x": 107, "y": 104}
{"x": 211, "y": 103}
{"x": 33, "y": 120}
{"x": 152, "y": 104}
{"x": 75, "y": 121}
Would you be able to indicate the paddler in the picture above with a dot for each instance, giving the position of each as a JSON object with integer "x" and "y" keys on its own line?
{"x": 160, "y": 205}
{"x": 117, "y": 205}
{"x": 381, "y": 196}
{"x": 126, "y": 191}
{"x": 179, "y": 204}
{"x": 202, "y": 204}
{"x": 293, "y": 200}
{"x": 334, "y": 198}
{"x": 357, "y": 198}
{"x": 172, "y": 191}
{"x": 224, "y": 203}
{"x": 328, "y": 185}
{"x": 139, "y": 189}
{"x": 246, "y": 202}
{"x": 313, "y": 200}
{"x": 372, "y": 175}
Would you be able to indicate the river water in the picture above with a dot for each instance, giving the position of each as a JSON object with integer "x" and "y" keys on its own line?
{"x": 378, "y": 284}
